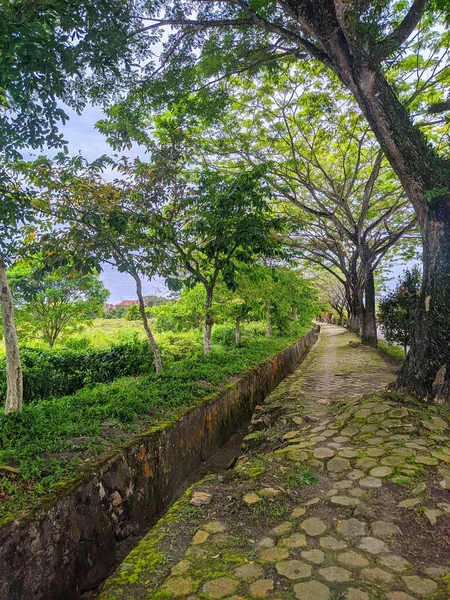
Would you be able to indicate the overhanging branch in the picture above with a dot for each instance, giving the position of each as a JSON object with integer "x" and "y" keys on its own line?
{"x": 393, "y": 41}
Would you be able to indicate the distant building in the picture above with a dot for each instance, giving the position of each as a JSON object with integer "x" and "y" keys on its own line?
{"x": 122, "y": 304}
{"x": 148, "y": 300}
{"x": 126, "y": 303}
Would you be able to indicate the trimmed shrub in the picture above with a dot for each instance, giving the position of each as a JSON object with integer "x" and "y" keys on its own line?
{"x": 53, "y": 373}
{"x": 180, "y": 345}
{"x": 223, "y": 335}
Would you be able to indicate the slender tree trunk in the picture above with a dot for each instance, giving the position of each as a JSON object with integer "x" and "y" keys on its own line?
{"x": 208, "y": 322}
{"x": 429, "y": 349}
{"x": 354, "y": 325}
{"x": 14, "y": 380}
{"x": 148, "y": 331}
{"x": 295, "y": 313}
{"x": 237, "y": 331}
{"x": 369, "y": 329}
{"x": 268, "y": 325}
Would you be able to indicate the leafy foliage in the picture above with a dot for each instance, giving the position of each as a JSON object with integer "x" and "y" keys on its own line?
{"x": 398, "y": 309}
{"x": 52, "y": 302}
{"x": 52, "y": 373}
{"x": 55, "y": 51}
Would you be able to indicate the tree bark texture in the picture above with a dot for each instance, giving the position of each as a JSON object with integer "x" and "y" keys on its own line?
{"x": 14, "y": 379}
{"x": 355, "y": 313}
{"x": 148, "y": 331}
{"x": 425, "y": 177}
{"x": 369, "y": 328}
{"x": 208, "y": 323}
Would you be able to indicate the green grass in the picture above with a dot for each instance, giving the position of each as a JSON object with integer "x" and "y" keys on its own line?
{"x": 293, "y": 479}
{"x": 395, "y": 352}
{"x": 46, "y": 428}
{"x": 103, "y": 333}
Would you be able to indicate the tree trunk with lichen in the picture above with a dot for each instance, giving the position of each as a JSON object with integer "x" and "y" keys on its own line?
{"x": 14, "y": 380}
{"x": 425, "y": 177}
{"x": 369, "y": 326}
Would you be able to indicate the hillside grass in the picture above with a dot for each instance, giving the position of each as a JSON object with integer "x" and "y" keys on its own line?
{"x": 50, "y": 439}
{"x": 394, "y": 352}
{"x": 102, "y": 333}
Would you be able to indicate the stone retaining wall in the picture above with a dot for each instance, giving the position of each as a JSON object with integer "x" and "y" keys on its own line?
{"x": 71, "y": 545}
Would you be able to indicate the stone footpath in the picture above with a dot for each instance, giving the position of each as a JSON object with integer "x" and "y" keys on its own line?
{"x": 336, "y": 497}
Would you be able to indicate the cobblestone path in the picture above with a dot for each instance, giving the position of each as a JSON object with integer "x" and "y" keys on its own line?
{"x": 341, "y": 493}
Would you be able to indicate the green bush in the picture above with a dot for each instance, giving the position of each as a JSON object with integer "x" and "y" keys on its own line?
{"x": 181, "y": 345}
{"x": 78, "y": 344}
{"x": 254, "y": 329}
{"x": 53, "y": 373}
{"x": 223, "y": 335}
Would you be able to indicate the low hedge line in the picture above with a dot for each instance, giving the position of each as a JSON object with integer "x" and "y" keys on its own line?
{"x": 54, "y": 373}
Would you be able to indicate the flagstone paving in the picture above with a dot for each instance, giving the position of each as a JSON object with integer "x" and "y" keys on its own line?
{"x": 342, "y": 493}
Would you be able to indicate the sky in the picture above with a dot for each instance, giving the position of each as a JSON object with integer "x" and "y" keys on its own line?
{"x": 83, "y": 138}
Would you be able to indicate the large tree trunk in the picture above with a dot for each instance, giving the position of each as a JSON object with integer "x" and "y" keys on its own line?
{"x": 356, "y": 313}
{"x": 354, "y": 323}
{"x": 268, "y": 324}
{"x": 237, "y": 331}
{"x": 208, "y": 322}
{"x": 429, "y": 352}
{"x": 14, "y": 380}
{"x": 423, "y": 174}
{"x": 148, "y": 331}
{"x": 295, "y": 313}
{"x": 369, "y": 329}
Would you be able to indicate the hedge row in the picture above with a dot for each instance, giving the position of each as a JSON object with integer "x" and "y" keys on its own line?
{"x": 53, "y": 373}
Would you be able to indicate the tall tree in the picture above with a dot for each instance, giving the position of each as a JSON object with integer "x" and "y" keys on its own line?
{"x": 225, "y": 220}
{"x": 358, "y": 41}
{"x": 53, "y": 302}
{"x": 277, "y": 293}
{"x": 324, "y": 161}
{"x": 15, "y": 210}
{"x": 50, "y": 53}
{"x": 99, "y": 222}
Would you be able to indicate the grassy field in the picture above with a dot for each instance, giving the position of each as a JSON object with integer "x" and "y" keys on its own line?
{"x": 395, "y": 352}
{"x": 103, "y": 333}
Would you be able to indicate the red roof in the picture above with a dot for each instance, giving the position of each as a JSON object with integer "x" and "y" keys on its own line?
{"x": 126, "y": 303}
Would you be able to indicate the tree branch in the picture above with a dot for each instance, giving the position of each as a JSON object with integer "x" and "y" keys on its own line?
{"x": 393, "y": 41}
